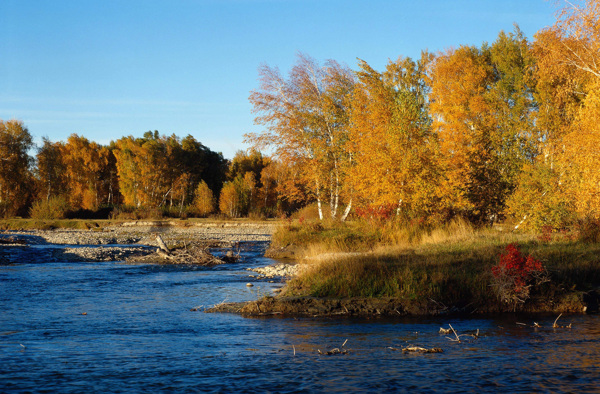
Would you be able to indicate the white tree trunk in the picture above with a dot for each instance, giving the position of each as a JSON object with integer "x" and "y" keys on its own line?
{"x": 319, "y": 205}
{"x": 399, "y": 206}
{"x": 346, "y": 211}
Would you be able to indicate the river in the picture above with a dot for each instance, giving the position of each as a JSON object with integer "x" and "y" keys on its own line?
{"x": 115, "y": 327}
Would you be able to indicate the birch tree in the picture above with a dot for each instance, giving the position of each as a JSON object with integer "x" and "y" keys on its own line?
{"x": 306, "y": 118}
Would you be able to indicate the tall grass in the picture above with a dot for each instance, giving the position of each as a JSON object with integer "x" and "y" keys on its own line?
{"x": 450, "y": 264}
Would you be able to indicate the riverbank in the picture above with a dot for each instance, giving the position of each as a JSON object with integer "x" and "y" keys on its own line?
{"x": 133, "y": 241}
{"x": 355, "y": 270}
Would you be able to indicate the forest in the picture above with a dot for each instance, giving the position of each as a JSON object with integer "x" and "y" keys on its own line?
{"x": 509, "y": 129}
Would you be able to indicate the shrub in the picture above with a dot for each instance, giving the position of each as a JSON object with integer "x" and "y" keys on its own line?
{"x": 514, "y": 275}
{"x": 589, "y": 231}
{"x": 50, "y": 209}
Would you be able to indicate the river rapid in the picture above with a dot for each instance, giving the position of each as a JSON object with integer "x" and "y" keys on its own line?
{"x": 117, "y": 327}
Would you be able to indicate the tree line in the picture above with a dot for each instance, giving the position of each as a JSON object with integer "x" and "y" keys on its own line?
{"x": 150, "y": 176}
{"x": 510, "y": 128}
{"x": 507, "y": 128}
{"x": 78, "y": 175}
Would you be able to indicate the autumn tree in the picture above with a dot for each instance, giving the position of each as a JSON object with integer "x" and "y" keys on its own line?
{"x": 50, "y": 170}
{"x": 16, "y": 181}
{"x": 306, "y": 119}
{"x": 247, "y": 161}
{"x": 163, "y": 172}
{"x": 567, "y": 86}
{"x": 229, "y": 200}
{"x": 204, "y": 200}
{"x": 390, "y": 139}
{"x": 577, "y": 49}
{"x": 85, "y": 163}
{"x": 482, "y": 104}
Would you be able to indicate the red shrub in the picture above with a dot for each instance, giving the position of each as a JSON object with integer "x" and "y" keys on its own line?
{"x": 514, "y": 275}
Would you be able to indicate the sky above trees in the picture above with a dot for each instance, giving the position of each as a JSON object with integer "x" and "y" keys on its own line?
{"x": 113, "y": 68}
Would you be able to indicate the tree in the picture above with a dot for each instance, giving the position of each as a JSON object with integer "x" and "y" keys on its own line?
{"x": 204, "y": 200}
{"x": 50, "y": 169}
{"x": 306, "y": 120}
{"x": 84, "y": 163}
{"x": 390, "y": 139}
{"x": 16, "y": 181}
{"x": 482, "y": 105}
{"x": 163, "y": 172}
{"x": 568, "y": 90}
{"x": 229, "y": 202}
{"x": 540, "y": 200}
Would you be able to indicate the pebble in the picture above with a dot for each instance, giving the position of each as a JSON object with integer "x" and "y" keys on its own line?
{"x": 271, "y": 271}
{"x": 131, "y": 239}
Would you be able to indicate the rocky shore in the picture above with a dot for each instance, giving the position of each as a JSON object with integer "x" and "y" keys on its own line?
{"x": 277, "y": 270}
{"x": 131, "y": 241}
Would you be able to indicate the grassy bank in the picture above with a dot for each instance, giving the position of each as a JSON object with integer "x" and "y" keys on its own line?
{"x": 449, "y": 266}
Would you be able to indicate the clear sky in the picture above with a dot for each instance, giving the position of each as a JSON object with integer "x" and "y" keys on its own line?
{"x": 111, "y": 68}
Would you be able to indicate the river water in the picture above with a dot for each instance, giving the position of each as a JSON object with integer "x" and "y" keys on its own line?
{"x": 114, "y": 327}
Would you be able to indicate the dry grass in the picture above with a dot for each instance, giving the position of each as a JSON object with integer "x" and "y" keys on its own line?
{"x": 451, "y": 264}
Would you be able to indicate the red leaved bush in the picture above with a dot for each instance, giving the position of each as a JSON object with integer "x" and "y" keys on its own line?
{"x": 514, "y": 275}
{"x": 376, "y": 213}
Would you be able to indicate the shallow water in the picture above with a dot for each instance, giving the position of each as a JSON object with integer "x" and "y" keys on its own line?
{"x": 138, "y": 334}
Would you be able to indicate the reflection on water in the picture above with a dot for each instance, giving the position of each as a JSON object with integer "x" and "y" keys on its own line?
{"x": 117, "y": 327}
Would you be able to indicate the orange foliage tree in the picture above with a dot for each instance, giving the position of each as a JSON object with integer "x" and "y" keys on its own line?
{"x": 481, "y": 103}
{"x": 16, "y": 181}
{"x": 85, "y": 163}
{"x": 390, "y": 139}
{"x": 567, "y": 91}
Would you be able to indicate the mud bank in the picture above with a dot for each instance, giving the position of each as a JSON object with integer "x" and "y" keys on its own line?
{"x": 390, "y": 307}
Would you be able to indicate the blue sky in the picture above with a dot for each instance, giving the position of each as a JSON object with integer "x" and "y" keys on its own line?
{"x": 106, "y": 69}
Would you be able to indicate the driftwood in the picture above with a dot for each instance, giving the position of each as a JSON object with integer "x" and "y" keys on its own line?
{"x": 12, "y": 241}
{"x": 417, "y": 349}
{"x": 162, "y": 245}
{"x": 332, "y": 351}
{"x": 554, "y": 325}
{"x": 196, "y": 254}
{"x": 456, "y": 336}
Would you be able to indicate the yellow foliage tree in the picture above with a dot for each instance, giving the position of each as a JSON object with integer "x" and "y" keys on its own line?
{"x": 204, "y": 200}
{"x": 390, "y": 139}
{"x": 229, "y": 202}
{"x": 568, "y": 92}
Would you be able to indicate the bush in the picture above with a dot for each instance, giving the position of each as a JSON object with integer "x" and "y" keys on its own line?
{"x": 51, "y": 209}
{"x": 514, "y": 275}
{"x": 589, "y": 231}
